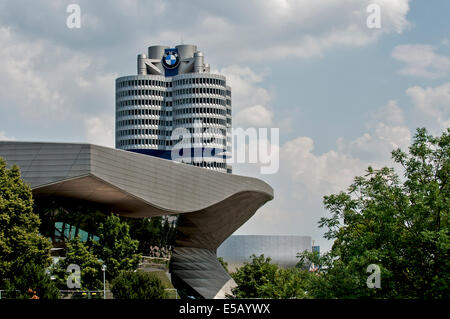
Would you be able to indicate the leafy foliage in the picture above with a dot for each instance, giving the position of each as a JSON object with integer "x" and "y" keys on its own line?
{"x": 21, "y": 245}
{"x": 287, "y": 283}
{"x": 137, "y": 285}
{"x": 80, "y": 254}
{"x": 116, "y": 248}
{"x": 223, "y": 263}
{"x": 150, "y": 232}
{"x": 401, "y": 225}
{"x": 252, "y": 276}
{"x": 33, "y": 280}
{"x": 259, "y": 278}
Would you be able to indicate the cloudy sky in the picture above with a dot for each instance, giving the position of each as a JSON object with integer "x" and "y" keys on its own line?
{"x": 343, "y": 95}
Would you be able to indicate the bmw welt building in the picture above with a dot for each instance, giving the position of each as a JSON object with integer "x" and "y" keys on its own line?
{"x": 138, "y": 179}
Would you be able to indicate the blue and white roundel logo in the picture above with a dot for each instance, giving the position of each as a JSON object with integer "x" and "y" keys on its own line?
{"x": 171, "y": 59}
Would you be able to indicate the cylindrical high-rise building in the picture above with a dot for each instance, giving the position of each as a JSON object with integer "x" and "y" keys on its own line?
{"x": 175, "y": 106}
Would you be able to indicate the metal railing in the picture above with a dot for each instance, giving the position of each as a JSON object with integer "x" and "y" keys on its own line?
{"x": 149, "y": 257}
{"x": 3, "y": 293}
{"x": 172, "y": 292}
{"x": 84, "y": 294}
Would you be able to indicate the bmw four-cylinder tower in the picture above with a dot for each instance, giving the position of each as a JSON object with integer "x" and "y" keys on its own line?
{"x": 173, "y": 103}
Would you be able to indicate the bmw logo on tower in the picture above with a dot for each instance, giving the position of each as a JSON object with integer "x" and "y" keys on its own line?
{"x": 171, "y": 59}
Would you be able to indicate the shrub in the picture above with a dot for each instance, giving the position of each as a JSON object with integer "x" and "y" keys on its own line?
{"x": 137, "y": 285}
{"x": 33, "y": 281}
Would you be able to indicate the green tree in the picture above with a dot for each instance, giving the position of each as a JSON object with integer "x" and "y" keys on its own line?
{"x": 147, "y": 231}
{"x": 80, "y": 254}
{"x": 253, "y": 277}
{"x": 137, "y": 285}
{"x": 116, "y": 248}
{"x": 20, "y": 242}
{"x": 223, "y": 263}
{"x": 332, "y": 278}
{"x": 33, "y": 280}
{"x": 154, "y": 231}
{"x": 259, "y": 278}
{"x": 399, "y": 224}
{"x": 287, "y": 283}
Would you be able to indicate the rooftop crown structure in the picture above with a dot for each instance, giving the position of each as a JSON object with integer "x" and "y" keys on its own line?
{"x": 175, "y": 103}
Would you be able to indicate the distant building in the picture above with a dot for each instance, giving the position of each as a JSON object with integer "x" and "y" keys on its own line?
{"x": 283, "y": 250}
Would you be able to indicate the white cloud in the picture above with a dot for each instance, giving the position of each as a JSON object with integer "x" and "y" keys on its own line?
{"x": 244, "y": 83}
{"x": 328, "y": 172}
{"x": 433, "y": 105}
{"x": 391, "y": 113}
{"x": 250, "y": 100}
{"x": 393, "y": 15}
{"x": 377, "y": 144}
{"x": 20, "y": 82}
{"x": 385, "y": 131}
{"x": 254, "y": 116}
{"x": 445, "y": 41}
{"x": 100, "y": 130}
{"x": 4, "y": 137}
{"x": 233, "y": 31}
{"x": 50, "y": 86}
{"x": 421, "y": 61}
{"x": 334, "y": 170}
{"x": 277, "y": 29}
